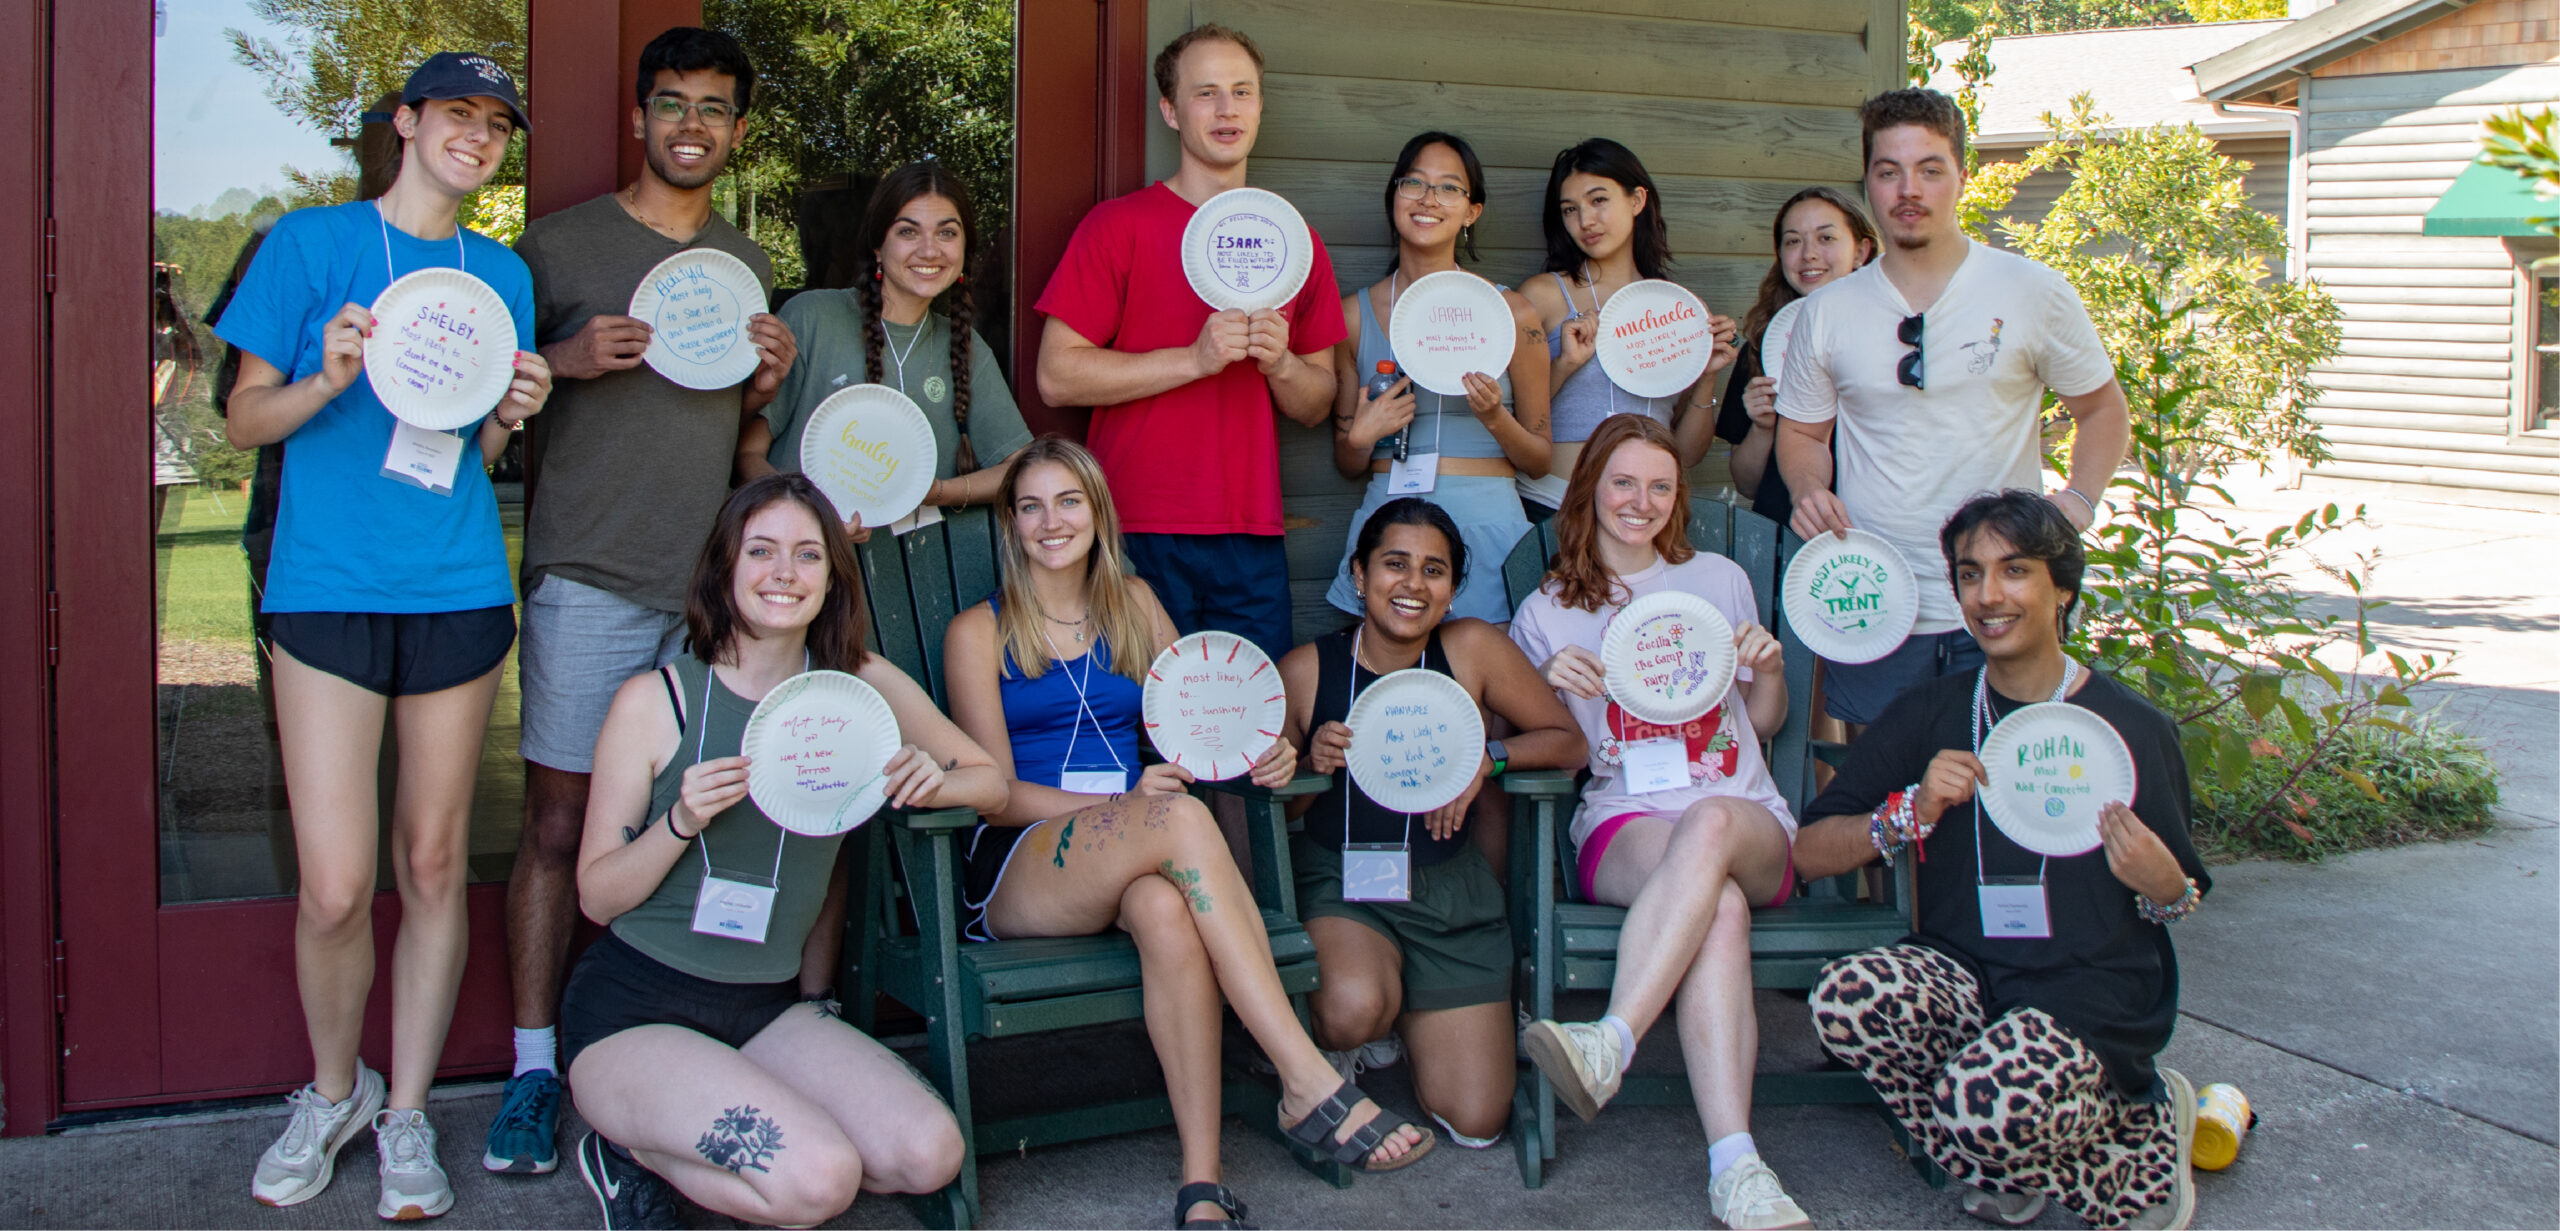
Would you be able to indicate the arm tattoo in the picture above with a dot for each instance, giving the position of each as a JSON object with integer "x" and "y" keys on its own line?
{"x": 741, "y": 1137}
{"x": 952, "y": 764}
{"x": 1188, "y": 881}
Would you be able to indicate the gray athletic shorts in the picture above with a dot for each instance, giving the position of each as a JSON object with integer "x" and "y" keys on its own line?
{"x": 578, "y": 645}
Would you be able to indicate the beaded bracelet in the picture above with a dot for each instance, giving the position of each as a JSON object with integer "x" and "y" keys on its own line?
{"x": 2174, "y": 911}
{"x": 1893, "y": 819}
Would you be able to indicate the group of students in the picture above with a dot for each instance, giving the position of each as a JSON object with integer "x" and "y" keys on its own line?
{"x": 712, "y": 1065}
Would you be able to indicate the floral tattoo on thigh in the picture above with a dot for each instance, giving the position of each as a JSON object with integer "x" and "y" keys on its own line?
{"x": 742, "y": 1137}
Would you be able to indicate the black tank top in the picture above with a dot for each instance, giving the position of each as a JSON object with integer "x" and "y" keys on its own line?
{"x": 1369, "y": 822}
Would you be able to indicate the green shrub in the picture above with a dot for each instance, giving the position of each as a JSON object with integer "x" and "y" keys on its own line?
{"x": 2374, "y": 787}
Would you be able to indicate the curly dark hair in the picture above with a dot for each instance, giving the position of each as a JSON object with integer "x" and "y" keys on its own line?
{"x": 2033, "y": 527}
{"x": 1928, "y": 109}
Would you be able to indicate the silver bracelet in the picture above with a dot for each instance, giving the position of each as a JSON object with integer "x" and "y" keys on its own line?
{"x": 2086, "y": 502}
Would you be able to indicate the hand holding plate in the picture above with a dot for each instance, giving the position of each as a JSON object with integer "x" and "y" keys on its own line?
{"x": 1162, "y": 778}
{"x": 913, "y": 778}
{"x": 342, "y": 347}
{"x": 1278, "y": 764}
{"x": 776, "y": 349}
{"x": 1819, "y": 512}
{"x": 1725, "y": 330}
{"x": 608, "y": 342}
{"x": 1330, "y": 749}
{"x": 1952, "y": 778}
{"x": 1225, "y": 338}
{"x": 1578, "y": 671}
{"x": 1447, "y": 819}
{"x": 710, "y": 788}
{"x": 1484, "y": 395}
{"x": 1267, "y": 340}
{"x": 1760, "y": 401}
{"x": 2138, "y": 857}
{"x": 528, "y": 392}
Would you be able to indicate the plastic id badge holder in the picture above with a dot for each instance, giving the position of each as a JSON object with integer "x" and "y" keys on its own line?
{"x": 423, "y": 458}
{"x": 1376, "y": 872}
{"x": 2013, "y": 908}
{"x": 737, "y": 909}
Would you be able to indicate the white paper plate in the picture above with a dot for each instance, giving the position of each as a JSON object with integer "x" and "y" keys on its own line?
{"x": 1213, "y": 703}
{"x": 1654, "y": 338}
{"x": 1247, "y": 249}
{"x": 870, "y": 449}
{"x": 443, "y": 349}
{"x": 815, "y": 748}
{"x": 1447, "y": 325}
{"x": 1416, "y": 740}
{"x": 2053, "y": 765}
{"x": 696, "y": 304}
{"x": 1773, "y": 341}
{"x": 1668, "y": 657}
{"x": 1850, "y": 600}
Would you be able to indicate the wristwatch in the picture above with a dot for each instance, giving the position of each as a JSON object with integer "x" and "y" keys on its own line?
{"x": 1494, "y": 752}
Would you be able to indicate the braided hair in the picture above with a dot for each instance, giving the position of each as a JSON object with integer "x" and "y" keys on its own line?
{"x": 897, "y": 190}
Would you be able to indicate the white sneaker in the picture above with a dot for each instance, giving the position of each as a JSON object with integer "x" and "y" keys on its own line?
{"x": 2180, "y": 1209}
{"x": 2003, "y": 1209}
{"x": 298, "y": 1166}
{"x": 1384, "y": 1053}
{"x": 1580, "y": 1059}
{"x": 1748, "y": 1196}
{"x": 413, "y": 1182}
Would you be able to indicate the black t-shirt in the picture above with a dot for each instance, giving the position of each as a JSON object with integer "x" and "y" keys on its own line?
{"x": 1733, "y": 425}
{"x": 2105, "y": 974}
{"x": 1367, "y": 820}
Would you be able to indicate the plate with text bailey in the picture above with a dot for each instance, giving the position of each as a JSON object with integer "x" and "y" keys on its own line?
{"x": 871, "y": 450}
{"x": 442, "y": 351}
{"x": 815, "y": 748}
{"x": 1212, "y": 704}
{"x": 2053, "y": 765}
{"x": 1416, "y": 740}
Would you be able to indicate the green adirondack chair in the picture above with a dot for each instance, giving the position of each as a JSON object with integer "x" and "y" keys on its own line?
{"x": 1571, "y": 945}
{"x": 904, "y": 914}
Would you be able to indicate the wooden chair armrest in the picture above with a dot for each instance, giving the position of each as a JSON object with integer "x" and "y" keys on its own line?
{"x": 938, "y": 820}
{"x": 1546, "y": 782}
{"x": 1829, "y": 752}
{"x": 1305, "y": 783}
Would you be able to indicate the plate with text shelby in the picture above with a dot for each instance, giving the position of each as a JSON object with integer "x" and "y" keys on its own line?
{"x": 2053, "y": 765}
{"x": 815, "y": 748}
{"x": 1212, "y": 704}
{"x": 1416, "y": 740}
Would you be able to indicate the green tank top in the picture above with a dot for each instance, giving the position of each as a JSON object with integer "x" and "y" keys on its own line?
{"x": 741, "y": 843}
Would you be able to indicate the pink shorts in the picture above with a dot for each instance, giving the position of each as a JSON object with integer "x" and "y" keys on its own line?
{"x": 1587, "y": 862}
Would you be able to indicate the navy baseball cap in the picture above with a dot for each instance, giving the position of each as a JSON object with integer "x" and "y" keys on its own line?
{"x": 460, "y": 74}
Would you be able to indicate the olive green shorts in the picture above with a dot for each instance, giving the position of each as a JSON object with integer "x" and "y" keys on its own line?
{"x": 1455, "y": 935}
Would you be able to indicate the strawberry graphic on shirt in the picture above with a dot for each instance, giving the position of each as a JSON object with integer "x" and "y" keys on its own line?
{"x": 1713, "y": 752}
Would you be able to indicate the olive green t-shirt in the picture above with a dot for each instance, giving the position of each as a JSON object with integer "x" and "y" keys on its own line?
{"x": 914, "y": 359}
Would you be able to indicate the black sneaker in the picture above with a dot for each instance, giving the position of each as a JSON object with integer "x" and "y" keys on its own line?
{"x": 632, "y": 1197}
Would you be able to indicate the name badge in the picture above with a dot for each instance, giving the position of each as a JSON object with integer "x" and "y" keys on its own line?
{"x": 2013, "y": 909}
{"x": 422, "y": 458}
{"x": 925, "y": 515}
{"x": 1655, "y": 765}
{"x": 1376, "y": 872}
{"x": 739, "y": 910}
{"x": 1094, "y": 781}
{"x": 1416, "y": 475}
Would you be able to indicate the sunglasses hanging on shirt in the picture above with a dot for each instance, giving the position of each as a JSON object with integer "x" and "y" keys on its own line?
{"x": 1909, "y": 370}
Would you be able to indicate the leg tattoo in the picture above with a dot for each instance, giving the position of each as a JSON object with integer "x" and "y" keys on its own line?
{"x": 741, "y": 1137}
{"x": 1188, "y": 881}
{"x": 1065, "y": 833}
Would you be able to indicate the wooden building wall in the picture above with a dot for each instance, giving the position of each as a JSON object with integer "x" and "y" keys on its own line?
{"x": 2429, "y": 387}
{"x": 1732, "y": 104}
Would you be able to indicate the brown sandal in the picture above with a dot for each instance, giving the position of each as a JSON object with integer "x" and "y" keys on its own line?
{"x": 1314, "y": 1135}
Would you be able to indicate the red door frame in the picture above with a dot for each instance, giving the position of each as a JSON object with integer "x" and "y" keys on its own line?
{"x": 95, "y": 978}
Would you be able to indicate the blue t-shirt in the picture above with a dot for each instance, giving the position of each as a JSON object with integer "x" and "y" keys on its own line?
{"x": 348, "y": 537}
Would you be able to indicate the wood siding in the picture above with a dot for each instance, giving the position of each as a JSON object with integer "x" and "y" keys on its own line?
{"x": 2488, "y": 34}
{"x": 2427, "y": 385}
{"x": 1732, "y": 104}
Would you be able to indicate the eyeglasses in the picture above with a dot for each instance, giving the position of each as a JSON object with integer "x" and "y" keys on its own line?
{"x": 668, "y": 110}
{"x": 1444, "y": 195}
{"x": 1909, "y": 371}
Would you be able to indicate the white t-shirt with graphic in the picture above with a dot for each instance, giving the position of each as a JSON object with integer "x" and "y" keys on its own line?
{"x": 1723, "y": 751}
{"x": 2005, "y": 330}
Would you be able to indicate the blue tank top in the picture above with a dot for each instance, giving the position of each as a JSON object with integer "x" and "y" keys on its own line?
{"x": 1588, "y": 396}
{"x": 1440, "y": 424}
{"x": 1053, "y": 731}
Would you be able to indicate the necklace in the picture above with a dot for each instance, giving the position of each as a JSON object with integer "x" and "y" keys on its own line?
{"x": 631, "y": 205}
{"x": 1077, "y": 624}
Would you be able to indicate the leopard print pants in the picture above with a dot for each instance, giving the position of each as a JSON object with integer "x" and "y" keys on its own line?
{"x": 2016, "y": 1105}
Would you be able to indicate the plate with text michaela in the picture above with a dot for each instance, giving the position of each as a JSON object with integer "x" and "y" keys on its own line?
{"x": 1850, "y": 598}
{"x": 1449, "y": 324}
{"x": 1654, "y": 339}
{"x": 2053, "y": 765}
{"x": 815, "y": 748}
{"x": 696, "y": 304}
{"x": 1212, "y": 704}
{"x": 871, "y": 450}
{"x": 443, "y": 349}
{"x": 1417, "y": 739}
{"x": 1668, "y": 657}
{"x": 1247, "y": 249}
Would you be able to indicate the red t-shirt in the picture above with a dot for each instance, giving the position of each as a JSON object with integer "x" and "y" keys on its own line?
{"x": 1203, "y": 458}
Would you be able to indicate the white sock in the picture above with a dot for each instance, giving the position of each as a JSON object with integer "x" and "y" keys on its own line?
{"x": 537, "y": 1050}
{"x": 1726, "y": 1151}
{"x": 1626, "y": 1040}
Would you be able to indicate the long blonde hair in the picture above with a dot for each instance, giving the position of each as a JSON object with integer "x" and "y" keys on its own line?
{"x": 1118, "y": 619}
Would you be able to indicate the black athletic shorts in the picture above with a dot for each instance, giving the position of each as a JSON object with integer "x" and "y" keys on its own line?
{"x": 397, "y": 655}
{"x": 616, "y": 987}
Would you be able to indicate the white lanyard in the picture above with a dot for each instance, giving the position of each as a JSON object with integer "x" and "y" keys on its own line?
{"x": 1437, "y": 402}
{"x": 1347, "y": 786}
{"x": 702, "y": 841}
{"x": 1981, "y": 726}
{"x": 1595, "y": 333}
{"x": 922, "y": 327}
{"x": 1084, "y": 708}
{"x": 461, "y": 255}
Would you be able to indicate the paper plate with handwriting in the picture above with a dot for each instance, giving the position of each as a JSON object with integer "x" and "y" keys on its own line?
{"x": 1212, "y": 704}
{"x": 1416, "y": 740}
{"x": 443, "y": 349}
{"x": 1668, "y": 657}
{"x": 1447, "y": 325}
{"x": 815, "y": 748}
{"x": 1852, "y": 599}
{"x": 2053, "y": 765}
{"x": 696, "y": 304}
{"x": 1247, "y": 249}
{"x": 1774, "y": 339}
{"x": 870, "y": 449}
{"x": 1654, "y": 339}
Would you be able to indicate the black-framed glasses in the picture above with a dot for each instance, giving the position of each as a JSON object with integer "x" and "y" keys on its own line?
{"x": 669, "y": 110}
{"x": 1412, "y": 188}
{"x": 1909, "y": 371}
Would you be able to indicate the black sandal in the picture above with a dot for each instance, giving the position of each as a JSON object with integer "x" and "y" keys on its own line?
{"x": 1193, "y": 1194}
{"x": 1316, "y": 1132}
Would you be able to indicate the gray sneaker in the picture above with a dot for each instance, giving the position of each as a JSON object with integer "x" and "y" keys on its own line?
{"x": 299, "y": 1164}
{"x": 2180, "y": 1209}
{"x": 1580, "y": 1059}
{"x": 2003, "y": 1209}
{"x": 413, "y": 1182}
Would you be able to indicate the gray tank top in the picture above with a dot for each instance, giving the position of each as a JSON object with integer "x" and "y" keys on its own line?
{"x": 1588, "y": 396}
{"x": 740, "y": 843}
{"x": 1440, "y": 424}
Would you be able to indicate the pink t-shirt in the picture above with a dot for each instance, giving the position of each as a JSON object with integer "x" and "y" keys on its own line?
{"x": 1724, "y": 752}
{"x": 1203, "y": 458}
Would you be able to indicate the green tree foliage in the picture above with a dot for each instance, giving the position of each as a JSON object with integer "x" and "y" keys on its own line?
{"x": 2528, "y": 143}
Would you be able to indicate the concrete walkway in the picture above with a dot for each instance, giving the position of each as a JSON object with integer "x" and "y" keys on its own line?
{"x": 2394, "y": 1016}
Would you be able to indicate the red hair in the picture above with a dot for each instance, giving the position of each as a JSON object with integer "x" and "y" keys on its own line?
{"x": 1581, "y": 580}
